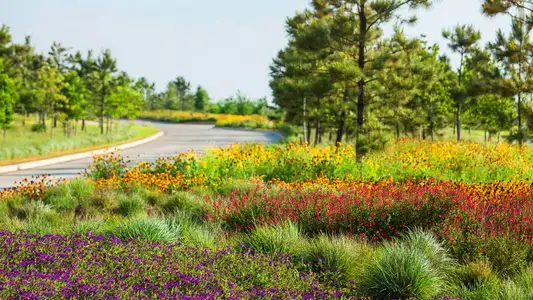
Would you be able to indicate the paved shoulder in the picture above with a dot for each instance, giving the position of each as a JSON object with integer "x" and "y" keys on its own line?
{"x": 178, "y": 138}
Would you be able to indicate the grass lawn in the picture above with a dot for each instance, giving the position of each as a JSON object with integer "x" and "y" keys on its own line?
{"x": 22, "y": 145}
{"x": 474, "y": 135}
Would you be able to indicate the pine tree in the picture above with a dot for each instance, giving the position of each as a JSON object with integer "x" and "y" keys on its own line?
{"x": 8, "y": 97}
{"x": 462, "y": 40}
{"x": 105, "y": 68}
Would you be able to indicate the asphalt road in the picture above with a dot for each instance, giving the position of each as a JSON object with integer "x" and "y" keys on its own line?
{"x": 178, "y": 138}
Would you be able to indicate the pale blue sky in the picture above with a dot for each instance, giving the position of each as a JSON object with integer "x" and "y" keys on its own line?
{"x": 222, "y": 45}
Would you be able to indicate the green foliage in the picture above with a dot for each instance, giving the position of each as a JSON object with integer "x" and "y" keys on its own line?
{"x": 240, "y": 104}
{"x": 68, "y": 196}
{"x": 38, "y": 128}
{"x": 336, "y": 258}
{"x": 400, "y": 272}
{"x": 144, "y": 228}
{"x": 130, "y": 205}
{"x": 201, "y": 99}
{"x": 8, "y": 97}
{"x": 275, "y": 239}
{"x": 436, "y": 253}
{"x": 507, "y": 256}
{"x": 184, "y": 201}
{"x": 45, "y": 221}
{"x": 475, "y": 274}
{"x": 192, "y": 232}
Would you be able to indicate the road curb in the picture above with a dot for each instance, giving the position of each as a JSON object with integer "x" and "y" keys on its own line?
{"x": 71, "y": 157}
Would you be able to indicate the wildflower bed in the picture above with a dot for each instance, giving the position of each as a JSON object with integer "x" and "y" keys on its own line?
{"x": 220, "y": 120}
{"x": 342, "y": 221}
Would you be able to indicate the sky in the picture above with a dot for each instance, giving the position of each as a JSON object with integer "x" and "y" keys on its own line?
{"x": 224, "y": 46}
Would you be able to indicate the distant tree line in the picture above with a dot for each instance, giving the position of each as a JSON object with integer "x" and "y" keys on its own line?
{"x": 64, "y": 87}
{"x": 341, "y": 76}
{"x": 179, "y": 95}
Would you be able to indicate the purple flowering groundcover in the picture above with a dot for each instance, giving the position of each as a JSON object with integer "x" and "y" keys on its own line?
{"x": 89, "y": 267}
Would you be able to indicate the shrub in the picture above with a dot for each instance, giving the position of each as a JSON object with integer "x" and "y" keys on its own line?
{"x": 400, "y": 272}
{"x": 288, "y": 130}
{"x": 371, "y": 142}
{"x": 275, "y": 239}
{"x": 507, "y": 256}
{"x": 38, "y": 128}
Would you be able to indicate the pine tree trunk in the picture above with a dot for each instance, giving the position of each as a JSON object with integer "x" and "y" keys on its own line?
{"x": 102, "y": 109}
{"x": 340, "y": 128}
{"x": 519, "y": 111}
{"x": 458, "y": 121}
{"x": 317, "y": 132}
{"x": 397, "y": 130}
{"x": 361, "y": 84}
{"x": 342, "y": 118}
{"x": 309, "y": 132}
{"x": 318, "y": 123}
{"x": 43, "y": 118}
{"x": 305, "y": 121}
{"x": 108, "y": 127}
{"x": 431, "y": 122}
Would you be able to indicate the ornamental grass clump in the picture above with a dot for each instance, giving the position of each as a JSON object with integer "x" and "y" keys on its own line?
{"x": 68, "y": 196}
{"x": 400, "y": 271}
{"x": 436, "y": 253}
{"x": 275, "y": 239}
{"x": 336, "y": 258}
{"x": 130, "y": 205}
{"x": 146, "y": 229}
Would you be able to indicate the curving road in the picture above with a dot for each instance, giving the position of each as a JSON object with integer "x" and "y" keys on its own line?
{"x": 178, "y": 138}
